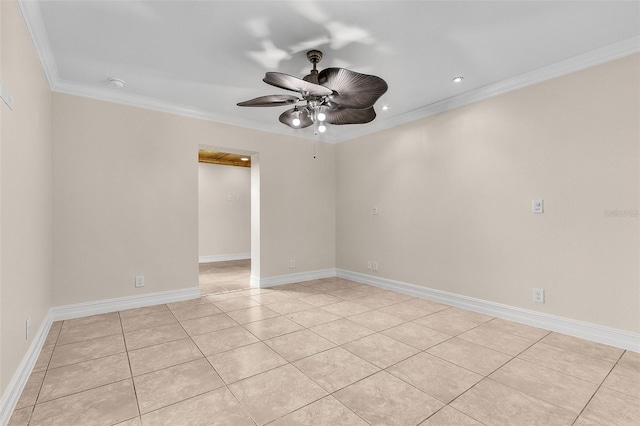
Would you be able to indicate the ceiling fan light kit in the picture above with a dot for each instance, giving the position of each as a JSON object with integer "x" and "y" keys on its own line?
{"x": 332, "y": 96}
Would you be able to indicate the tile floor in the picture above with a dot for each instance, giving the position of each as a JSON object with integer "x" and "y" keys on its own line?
{"x": 231, "y": 275}
{"x": 325, "y": 352}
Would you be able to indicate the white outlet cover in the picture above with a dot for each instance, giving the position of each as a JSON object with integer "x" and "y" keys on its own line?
{"x": 538, "y": 295}
{"x": 537, "y": 206}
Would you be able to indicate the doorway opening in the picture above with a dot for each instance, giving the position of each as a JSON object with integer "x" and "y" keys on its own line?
{"x": 228, "y": 200}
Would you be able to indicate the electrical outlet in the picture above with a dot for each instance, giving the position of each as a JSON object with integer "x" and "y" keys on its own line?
{"x": 292, "y": 264}
{"x": 27, "y": 327}
{"x": 139, "y": 280}
{"x": 538, "y": 295}
{"x": 374, "y": 210}
{"x": 375, "y": 265}
{"x": 369, "y": 264}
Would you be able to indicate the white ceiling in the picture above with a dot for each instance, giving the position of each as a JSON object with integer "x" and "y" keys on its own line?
{"x": 200, "y": 58}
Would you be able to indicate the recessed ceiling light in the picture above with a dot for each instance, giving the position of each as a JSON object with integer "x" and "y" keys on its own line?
{"x": 458, "y": 79}
{"x": 116, "y": 82}
{"x": 244, "y": 159}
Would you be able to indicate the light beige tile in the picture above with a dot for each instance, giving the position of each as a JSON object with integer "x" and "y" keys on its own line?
{"x": 376, "y": 320}
{"x": 624, "y": 379}
{"x": 416, "y": 335}
{"x": 448, "y": 416}
{"x": 518, "y": 329}
{"x": 556, "y": 388}
{"x": 395, "y": 296}
{"x": 89, "y": 331}
{"x": 141, "y": 322}
{"x": 380, "y": 350}
{"x": 469, "y": 355}
{"x": 327, "y": 411}
{"x": 467, "y": 315}
{"x": 321, "y": 299}
{"x": 112, "y": 317}
{"x": 208, "y": 324}
{"x": 506, "y": 343}
{"x": 374, "y": 301}
{"x": 188, "y": 303}
{"x": 196, "y": 311}
{"x": 348, "y": 293}
{"x": 154, "y": 336}
{"x": 86, "y": 375}
{"x": 272, "y": 297}
{"x": 136, "y": 421}
{"x": 568, "y": 362}
{"x": 583, "y": 421}
{"x": 299, "y": 344}
{"x": 445, "y": 323}
{"x": 426, "y": 304}
{"x": 584, "y": 347}
{"x": 405, "y": 311}
{"x": 346, "y": 308}
{"x": 496, "y": 404}
{"x": 236, "y": 304}
{"x": 434, "y": 376}
{"x": 289, "y": 306}
{"x": 256, "y": 313}
{"x": 216, "y": 408}
{"x": 276, "y": 393}
{"x": 630, "y": 359}
{"x": 20, "y": 417}
{"x": 174, "y": 384}
{"x": 152, "y": 358}
{"x": 245, "y": 361}
{"x": 341, "y": 331}
{"x": 609, "y": 407}
{"x": 31, "y": 390}
{"x": 221, "y": 297}
{"x": 104, "y": 405}
{"x": 272, "y": 327}
{"x": 224, "y": 340}
{"x": 86, "y": 350}
{"x": 385, "y": 400}
{"x": 146, "y": 310}
{"x": 312, "y": 317}
{"x": 335, "y": 368}
{"x": 42, "y": 363}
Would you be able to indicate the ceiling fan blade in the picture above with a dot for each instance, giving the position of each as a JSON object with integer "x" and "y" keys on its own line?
{"x": 271, "y": 100}
{"x": 354, "y": 90}
{"x": 289, "y": 82}
{"x": 288, "y": 116}
{"x": 350, "y": 116}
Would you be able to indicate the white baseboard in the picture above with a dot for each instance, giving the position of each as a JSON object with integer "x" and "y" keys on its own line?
{"x": 122, "y": 303}
{"x": 594, "y": 332}
{"x": 292, "y": 278}
{"x": 224, "y": 257}
{"x": 20, "y": 377}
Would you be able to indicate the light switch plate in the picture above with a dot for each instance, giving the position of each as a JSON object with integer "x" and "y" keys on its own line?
{"x": 537, "y": 206}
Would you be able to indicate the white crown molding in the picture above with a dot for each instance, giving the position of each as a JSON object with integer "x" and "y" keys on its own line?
{"x": 35, "y": 25}
{"x": 32, "y": 17}
{"x": 224, "y": 257}
{"x": 586, "y": 60}
{"x": 19, "y": 380}
{"x": 584, "y": 330}
{"x": 292, "y": 278}
{"x": 122, "y": 303}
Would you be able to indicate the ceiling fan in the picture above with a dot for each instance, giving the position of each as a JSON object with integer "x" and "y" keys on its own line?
{"x": 333, "y": 96}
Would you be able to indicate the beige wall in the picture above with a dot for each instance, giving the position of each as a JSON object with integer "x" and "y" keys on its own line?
{"x": 126, "y": 199}
{"x": 454, "y": 194}
{"x": 224, "y": 226}
{"x": 25, "y": 177}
